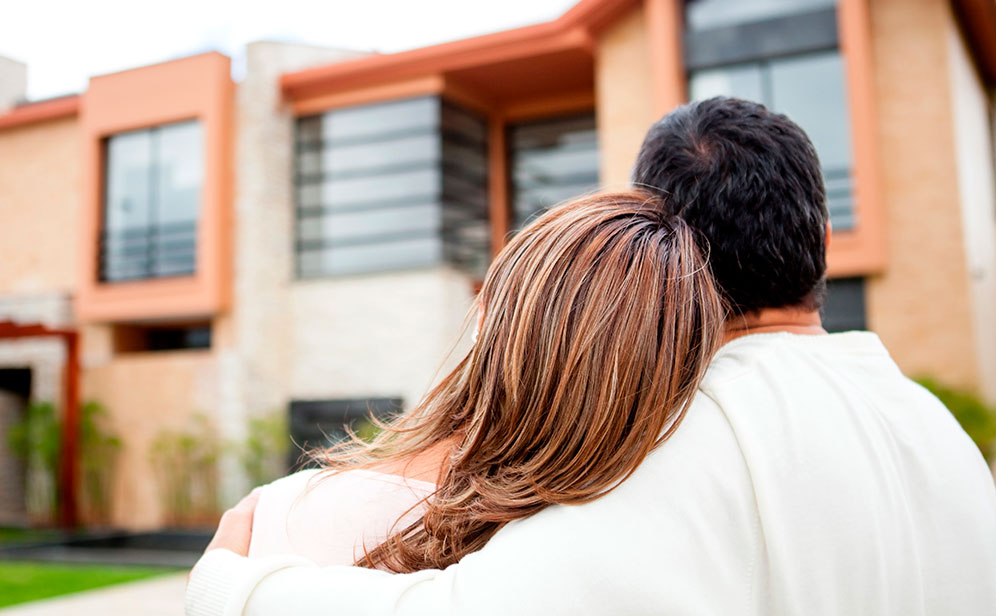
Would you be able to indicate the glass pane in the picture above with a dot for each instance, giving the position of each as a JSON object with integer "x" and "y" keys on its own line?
{"x": 154, "y": 180}
{"x": 364, "y": 191}
{"x": 369, "y": 157}
{"x": 466, "y": 228}
{"x": 371, "y": 223}
{"x": 370, "y": 187}
{"x": 552, "y": 161}
{"x": 124, "y": 246}
{"x": 707, "y": 14}
{"x": 383, "y": 119}
{"x": 128, "y": 204}
{"x": 810, "y": 90}
{"x": 180, "y": 173}
{"x": 413, "y": 252}
{"x": 744, "y": 81}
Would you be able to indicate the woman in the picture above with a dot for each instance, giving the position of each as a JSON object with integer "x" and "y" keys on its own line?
{"x": 596, "y": 323}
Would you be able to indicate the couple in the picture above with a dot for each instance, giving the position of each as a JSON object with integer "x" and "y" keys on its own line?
{"x": 651, "y": 421}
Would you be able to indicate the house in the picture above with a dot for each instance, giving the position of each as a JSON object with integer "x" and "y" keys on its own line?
{"x": 308, "y": 240}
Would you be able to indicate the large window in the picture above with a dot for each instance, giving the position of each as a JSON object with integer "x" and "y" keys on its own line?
{"x": 782, "y": 53}
{"x": 391, "y": 186}
{"x": 152, "y": 198}
{"x": 551, "y": 161}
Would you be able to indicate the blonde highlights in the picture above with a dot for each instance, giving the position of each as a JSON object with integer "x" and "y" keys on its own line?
{"x": 600, "y": 318}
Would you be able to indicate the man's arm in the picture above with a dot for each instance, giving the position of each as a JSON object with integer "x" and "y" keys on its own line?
{"x": 526, "y": 569}
{"x": 680, "y": 536}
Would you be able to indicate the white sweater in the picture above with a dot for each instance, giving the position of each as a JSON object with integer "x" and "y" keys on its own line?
{"x": 809, "y": 477}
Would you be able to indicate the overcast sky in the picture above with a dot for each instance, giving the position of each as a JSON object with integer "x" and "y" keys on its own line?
{"x": 64, "y": 42}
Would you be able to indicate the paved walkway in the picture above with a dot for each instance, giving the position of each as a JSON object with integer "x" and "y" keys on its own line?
{"x": 159, "y": 596}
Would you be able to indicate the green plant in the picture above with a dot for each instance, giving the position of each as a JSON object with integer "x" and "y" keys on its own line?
{"x": 36, "y": 441}
{"x": 185, "y": 465}
{"x": 264, "y": 453}
{"x": 976, "y": 417}
{"x": 98, "y": 453}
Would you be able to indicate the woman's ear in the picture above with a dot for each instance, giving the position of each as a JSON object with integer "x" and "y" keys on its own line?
{"x": 480, "y": 316}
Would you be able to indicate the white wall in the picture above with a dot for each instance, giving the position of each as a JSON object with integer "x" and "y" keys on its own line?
{"x": 973, "y": 131}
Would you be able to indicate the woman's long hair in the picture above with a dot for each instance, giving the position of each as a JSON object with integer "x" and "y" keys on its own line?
{"x": 600, "y": 318}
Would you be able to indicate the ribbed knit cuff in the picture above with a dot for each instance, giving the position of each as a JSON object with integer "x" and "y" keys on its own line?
{"x": 221, "y": 581}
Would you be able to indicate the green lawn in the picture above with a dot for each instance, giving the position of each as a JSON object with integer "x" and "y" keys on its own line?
{"x": 27, "y": 581}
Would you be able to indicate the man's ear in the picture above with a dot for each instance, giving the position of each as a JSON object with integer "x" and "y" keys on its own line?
{"x": 829, "y": 234}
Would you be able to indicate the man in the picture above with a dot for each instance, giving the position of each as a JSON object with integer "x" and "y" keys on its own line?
{"x": 809, "y": 475}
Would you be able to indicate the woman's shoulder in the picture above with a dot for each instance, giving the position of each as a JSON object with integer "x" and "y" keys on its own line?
{"x": 325, "y": 515}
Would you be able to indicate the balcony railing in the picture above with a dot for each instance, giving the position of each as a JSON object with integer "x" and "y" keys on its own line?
{"x": 155, "y": 251}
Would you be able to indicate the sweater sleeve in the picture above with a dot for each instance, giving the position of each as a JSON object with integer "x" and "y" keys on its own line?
{"x": 666, "y": 541}
{"x": 524, "y": 570}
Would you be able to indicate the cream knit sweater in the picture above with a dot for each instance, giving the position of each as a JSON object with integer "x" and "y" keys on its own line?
{"x": 809, "y": 477}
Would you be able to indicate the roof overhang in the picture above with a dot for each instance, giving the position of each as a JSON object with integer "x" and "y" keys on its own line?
{"x": 30, "y": 113}
{"x": 978, "y": 21}
{"x": 558, "y": 54}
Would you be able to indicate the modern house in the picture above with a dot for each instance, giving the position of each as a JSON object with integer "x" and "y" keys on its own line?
{"x": 308, "y": 240}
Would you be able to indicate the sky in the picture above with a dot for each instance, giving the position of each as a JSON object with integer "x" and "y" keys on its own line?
{"x": 65, "y": 42}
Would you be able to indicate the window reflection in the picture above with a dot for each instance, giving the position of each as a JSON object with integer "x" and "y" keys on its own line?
{"x": 707, "y": 14}
{"x": 392, "y": 186}
{"x": 551, "y": 161}
{"x": 152, "y": 200}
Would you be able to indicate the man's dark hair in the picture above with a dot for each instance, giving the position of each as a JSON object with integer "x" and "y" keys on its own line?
{"x": 750, "y": 182}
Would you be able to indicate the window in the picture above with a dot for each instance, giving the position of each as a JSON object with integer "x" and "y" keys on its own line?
{"x": 551, "y": 160}
{"x": 162, "y": 337}
{"x": 782, "y": 53}
{"x": 845, "y": 306}
{"x": 391, "y": 186}
{"x": 322, "y": 423}
{"x": 151, "y": 203}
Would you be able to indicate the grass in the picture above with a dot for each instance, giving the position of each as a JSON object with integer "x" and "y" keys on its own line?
{"x": 28, "y": 581}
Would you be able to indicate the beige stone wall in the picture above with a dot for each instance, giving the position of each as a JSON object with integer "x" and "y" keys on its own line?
{"x": 376, "y": 335}
{"x": 259, "y": 362}
{"x": 624, "y": 97}
{"x": 39, "y": 207}
{"x": 920, "y": 306}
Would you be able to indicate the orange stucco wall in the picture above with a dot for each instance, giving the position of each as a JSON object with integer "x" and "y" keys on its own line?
{"x": 196, "y": 87}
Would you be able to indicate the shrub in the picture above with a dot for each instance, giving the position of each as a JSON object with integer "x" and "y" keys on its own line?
{"x": 976, "y": 417}
{"x": 36, "y": 441}
{"x": 99, "y": 450}
{"x": 185, "y": 466}
{"x": 264, "y": 453}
